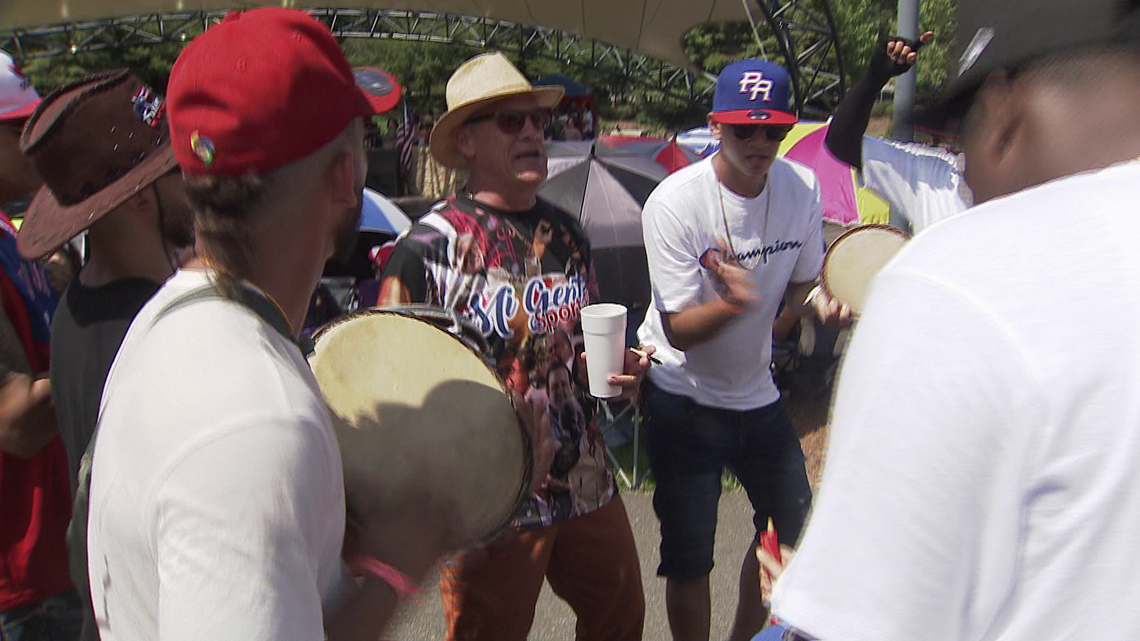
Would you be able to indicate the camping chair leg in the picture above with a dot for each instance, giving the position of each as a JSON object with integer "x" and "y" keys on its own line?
{"x": 611, "y": 421}
{"x": 620, "y": 472}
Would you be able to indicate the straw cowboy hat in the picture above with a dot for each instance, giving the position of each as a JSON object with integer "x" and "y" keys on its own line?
{"x": 475, "y": 84}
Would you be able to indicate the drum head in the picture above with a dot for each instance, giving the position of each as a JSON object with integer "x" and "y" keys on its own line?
{"x": 421, "y": 421}
{"x": 855, "y": 258}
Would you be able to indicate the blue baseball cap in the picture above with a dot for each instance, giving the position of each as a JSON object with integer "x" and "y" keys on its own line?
{"x": 753, "y": 92}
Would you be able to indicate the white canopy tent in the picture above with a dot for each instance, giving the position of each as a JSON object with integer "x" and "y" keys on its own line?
{"x": 651, "y": 27}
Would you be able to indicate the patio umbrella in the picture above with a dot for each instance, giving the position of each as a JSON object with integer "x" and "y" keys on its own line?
{"x": 605, "y": 188}
{"x": 668, "y": 153}
{"x": 699, "y": 140}
{"x": 380, "y": 214}
{"x": 380, "y": 220}
{"x": 673, "y": 156}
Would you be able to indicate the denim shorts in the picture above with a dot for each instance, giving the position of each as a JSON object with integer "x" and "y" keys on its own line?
{"x": 689, "y": 446}
{"x": 57, "y": 618}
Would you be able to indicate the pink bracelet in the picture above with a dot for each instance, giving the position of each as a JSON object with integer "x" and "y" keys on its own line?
{"x": 401, "y": 583}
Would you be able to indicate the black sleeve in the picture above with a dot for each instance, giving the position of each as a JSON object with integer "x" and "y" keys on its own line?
{"x": 845, "y": 133}
{"x": 406, "y": 263}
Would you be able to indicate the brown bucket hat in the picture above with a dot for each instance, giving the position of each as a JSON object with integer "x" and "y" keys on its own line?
{"x": 95, "y": 143}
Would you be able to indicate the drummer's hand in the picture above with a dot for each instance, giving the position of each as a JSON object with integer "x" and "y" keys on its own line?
{"x": 633, "y": 371}
{"x": 898, "y": 54}
{"x": 735, "y": 285}
{"x": 636, "y": 363}
{"x": 536, "y": 421}
{"x": 410, "y": 541}
{"x": 830, "y": 311}
{"x": 770, "y": 569}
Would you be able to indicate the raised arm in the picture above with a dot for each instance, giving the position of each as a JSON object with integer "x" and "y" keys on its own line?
{"x": 893, "y": 57}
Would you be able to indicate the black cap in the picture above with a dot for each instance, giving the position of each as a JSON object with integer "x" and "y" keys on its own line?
{"x": 1006, "y": 34}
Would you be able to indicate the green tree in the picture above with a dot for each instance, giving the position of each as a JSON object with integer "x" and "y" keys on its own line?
{"x": 712, "y": 46}
{"x": 150, "y": 62}
{"x": 861, "y": 24}
{"x": 424, "y": 67}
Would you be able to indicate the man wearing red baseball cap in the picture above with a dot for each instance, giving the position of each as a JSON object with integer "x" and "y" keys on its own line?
{"x": 727, "y": 240}
{"x": 217, "y": 495}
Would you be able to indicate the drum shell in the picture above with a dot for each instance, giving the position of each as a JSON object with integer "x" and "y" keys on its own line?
{"x": 423, "y": 422}
{"x": 851, "y": 287}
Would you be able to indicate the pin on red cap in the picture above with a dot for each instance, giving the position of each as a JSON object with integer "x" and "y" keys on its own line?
{"x": 259, "y": 90}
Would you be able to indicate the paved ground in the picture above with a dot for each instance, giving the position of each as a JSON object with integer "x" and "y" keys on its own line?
{"x": 554, "y": 621}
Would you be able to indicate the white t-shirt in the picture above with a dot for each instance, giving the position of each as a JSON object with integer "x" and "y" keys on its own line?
{"x": 922, "y": 184}
{"x": 982, "y": 478}
{"x": 778, "y": 236}
{"x": 217, "y": 496}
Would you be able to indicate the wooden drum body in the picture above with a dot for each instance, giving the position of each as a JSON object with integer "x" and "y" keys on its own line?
{"x": 423, "y": 423}
{"x": 855, "y": 258}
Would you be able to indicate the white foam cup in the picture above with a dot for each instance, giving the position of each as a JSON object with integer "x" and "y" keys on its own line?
{"x": 603, "y": 327}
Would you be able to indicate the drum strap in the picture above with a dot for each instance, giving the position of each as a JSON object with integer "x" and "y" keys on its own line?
{"x": 77, "y": 529}
{"x": 254, "y": 300}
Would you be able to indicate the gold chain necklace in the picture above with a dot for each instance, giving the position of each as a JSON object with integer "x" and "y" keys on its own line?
{"x": 724, "y": 218}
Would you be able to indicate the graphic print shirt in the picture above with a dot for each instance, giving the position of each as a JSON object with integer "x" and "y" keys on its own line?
{"x": 520, "y": 278}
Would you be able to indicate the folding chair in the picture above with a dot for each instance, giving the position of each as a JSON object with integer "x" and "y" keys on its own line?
{"x": 618, "y": 430}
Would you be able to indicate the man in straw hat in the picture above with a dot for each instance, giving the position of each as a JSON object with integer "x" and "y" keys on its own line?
{"x": 217, "y": 492}
{"x": 729, "y": 240}
{"x": 981, "y": 478}
{"x": 102, "y": 147}
{"x": 520, "y": 271}
{"x": 37, "y": 599}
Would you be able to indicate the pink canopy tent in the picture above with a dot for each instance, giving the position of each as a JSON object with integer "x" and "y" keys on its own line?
{"x": 843, "y": 200}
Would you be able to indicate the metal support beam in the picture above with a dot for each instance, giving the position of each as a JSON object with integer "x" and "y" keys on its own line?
{"x": 906, "y": 84}
{"x": 804, "y": 30}
{"x": 415, "y": 26}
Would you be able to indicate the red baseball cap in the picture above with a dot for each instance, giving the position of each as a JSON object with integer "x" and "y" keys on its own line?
{"x": 259, "y": 90}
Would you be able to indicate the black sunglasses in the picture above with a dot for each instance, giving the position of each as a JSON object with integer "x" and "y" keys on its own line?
{"x": 774, "y": 132}
{"x": 512, "y": 121}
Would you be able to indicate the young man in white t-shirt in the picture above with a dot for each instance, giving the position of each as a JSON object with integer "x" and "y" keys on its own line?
{"x": 728, "y": 239}
{"x": 981, "y": 480}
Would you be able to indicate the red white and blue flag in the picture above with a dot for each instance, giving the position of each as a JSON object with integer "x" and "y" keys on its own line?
{"x": 406, "y": 138}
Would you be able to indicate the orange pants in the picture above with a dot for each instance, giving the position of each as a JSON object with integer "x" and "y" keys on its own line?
{"x": 590, "y": 561}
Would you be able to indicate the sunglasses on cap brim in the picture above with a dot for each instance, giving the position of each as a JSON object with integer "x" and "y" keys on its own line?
{"x": 512, "y": 121}
{"x": 773, "y": 132}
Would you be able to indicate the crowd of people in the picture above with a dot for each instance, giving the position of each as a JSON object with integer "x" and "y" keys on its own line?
{"x": 169, "y": 469}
